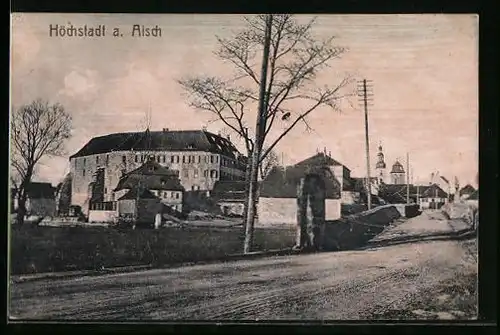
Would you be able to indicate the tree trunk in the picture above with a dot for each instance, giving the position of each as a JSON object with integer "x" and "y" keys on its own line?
{"x": 21, "y": 209}
{"x": 247, "y": 188}
{"x": 259, "y": 135}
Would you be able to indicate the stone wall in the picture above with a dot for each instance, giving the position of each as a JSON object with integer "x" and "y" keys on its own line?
{"x": 278, "y": 211}
{"x": 103, "y": 216}
{"x": 354, "y": 231}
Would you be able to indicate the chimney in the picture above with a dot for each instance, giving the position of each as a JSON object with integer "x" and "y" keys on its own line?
{"x": 165, "y": 129}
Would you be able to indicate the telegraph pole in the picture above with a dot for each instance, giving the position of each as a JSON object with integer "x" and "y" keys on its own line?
{"x": 408, "y": 178}
{"x": 364, "y": 92}
{"x": 259, "y": 132}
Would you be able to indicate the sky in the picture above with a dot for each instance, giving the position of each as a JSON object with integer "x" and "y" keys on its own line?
{"x": 424, "y": 72}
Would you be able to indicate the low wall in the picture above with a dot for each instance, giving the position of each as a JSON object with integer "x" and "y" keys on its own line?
{"x": 355, "y": 230}
{"x": 469, "y": 212}
{"x": 278, "y": 211}
{"x": 103, "y": 216}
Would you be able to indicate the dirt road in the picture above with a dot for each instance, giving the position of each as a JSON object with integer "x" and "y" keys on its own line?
{"x": 344, "y": 285}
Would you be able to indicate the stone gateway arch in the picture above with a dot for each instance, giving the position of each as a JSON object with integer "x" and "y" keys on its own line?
{"x": 311, "y": 193}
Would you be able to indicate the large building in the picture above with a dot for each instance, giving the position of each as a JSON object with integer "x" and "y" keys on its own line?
{"x": 200, "y": 157}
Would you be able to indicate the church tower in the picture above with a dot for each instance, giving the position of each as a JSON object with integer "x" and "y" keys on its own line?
{"x": 398, "y": 174}
{"x": 380, "y": 166}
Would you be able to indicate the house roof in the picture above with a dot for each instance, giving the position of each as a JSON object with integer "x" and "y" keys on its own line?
{"x": 467, "y": 189}
{"x": 152, "y": 176}
{"x": 474, "y": 195}
{"x": 37, "y": 190}
{"x": 318, "y": 160}
{"x": 229, "y": 190}
{"x": 282, "y": 182}
{"x": 171, "y": 140}
{"x": 396, "y": 193}
{"x": 143, "y": 194}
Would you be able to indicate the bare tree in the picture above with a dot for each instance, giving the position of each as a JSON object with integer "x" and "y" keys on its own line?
{"x": 37, "y": 130}
{"x": 270, "y": 161}
{"x": 295, "y": 59}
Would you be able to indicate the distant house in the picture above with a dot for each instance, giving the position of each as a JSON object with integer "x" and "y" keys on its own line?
{"x": 140, "y": 204}
{"x": 160, "y": 180}
{"x": 278, "y": 191}
{"x": 230, "y": 196}
{"x": 466, "y": 191}
{"x": 40, "y": 199}
{"x": 427, "y": 196}
{"x": 431, "y": 196}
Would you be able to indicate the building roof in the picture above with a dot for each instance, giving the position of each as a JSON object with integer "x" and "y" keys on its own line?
{"x": 153, "y": 176}
{"x": 230, "y": 190}
{"x": 474, "y": 195}
{"x": 37, "y": 190}
{"x": 320, "y": 159}
{"x": 169, "y": 140}
{"x": 143, "y": 194}
{"x": 282, "y": 182}
{"x": 397, "y": 167}
{"x": 396, "y": 193}
{"x": 467, "y": 189}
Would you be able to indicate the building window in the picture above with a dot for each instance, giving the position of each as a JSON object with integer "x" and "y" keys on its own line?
{"x": 84, "y": 161}
{"x": 205, "y": 173}
{"x": 212, "y": 159}
{"x": 105, "y": 190}
{"x": 164, "y": 194}
{"x": 97, "y": 159}
{"x": 177, "y": 195}
{"x": 107, "y": 159}
{"x": 172, "y": 158}
{"x": 136, "y": 158}
{"x": 163, "y": 159}
{"x": 83, "y": 172}
{"x": 207, "y": 159}
{"x": 183, "y": 159}
{"x": 196, "y": 173}
{"x": 213, "y": 173}
{"x": 216, "y": 159}
{"x": 171, "y": 194}
{"x": 124, "y": 159}
{"x": 186, "y": 173}
{"x": 199, "y": 159}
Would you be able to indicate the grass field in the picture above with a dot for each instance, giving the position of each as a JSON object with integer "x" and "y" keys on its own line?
{"x": 49, "y": 249}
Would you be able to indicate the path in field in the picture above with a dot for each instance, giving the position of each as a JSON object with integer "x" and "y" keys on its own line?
{"x": 342, "y": 285}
